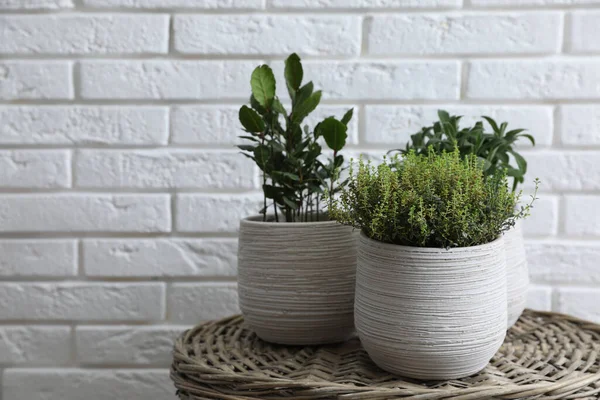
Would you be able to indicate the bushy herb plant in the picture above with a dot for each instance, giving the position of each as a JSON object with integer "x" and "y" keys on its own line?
{"x": 294, "y": 178}
{"x": 494, "y": 148}
{"x": 432, "y": 200}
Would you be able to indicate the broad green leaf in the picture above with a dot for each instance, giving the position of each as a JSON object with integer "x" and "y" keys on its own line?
{"x": 293, "y": 73}
{"x": 334, "y": 133}
{"x": 250, "y": 120}
{"x": 443, "y": 116}
{"x": 306, "y": 107}
{"x": 263, "y": 85}
{"x": 261, "y": 154}
{"x": 348, "y": 116}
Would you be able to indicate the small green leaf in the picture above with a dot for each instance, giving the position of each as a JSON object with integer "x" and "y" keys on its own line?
{"x": 443, "y": 116}
{"x": 250, "y": 120}
{"x": 293, "y": 73}
{"x": 288, "y": 175}
{"x": 492, "y": 123}
{"x": 306, "y": 107}
{"x": 254, "y": 104}
{"x": 277, "y": 106}
{"x": 246, "y": 147}
{"x": 520, "y": 161}
{"x": 303, "y": 93}
{"x": 528, "y": 136}
{"x": 348, "y": 116}
{"x": 291, "y": 204}
{"x": 263, "y": 85}
{"x": 334, "y": 133}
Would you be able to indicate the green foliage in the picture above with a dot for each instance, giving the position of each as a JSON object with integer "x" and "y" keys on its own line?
{"x": 433, "y": 200}
{"x": 494, "y": 149}
{"x": 294, "y": 178}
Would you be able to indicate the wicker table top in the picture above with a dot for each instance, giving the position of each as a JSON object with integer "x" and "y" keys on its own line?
{"x": 545, "y": 356}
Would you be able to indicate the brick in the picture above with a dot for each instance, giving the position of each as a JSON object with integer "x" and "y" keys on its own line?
{"x": 579, "y": 302}
{"x": 382, "y": 80}
{"x": 160, "y": 257}
{"x": 581, "y": 218}
{"x": 35, "y": 169}
{"x": 38, "y": 257}
{"x": 35, "y": 4}
{"x": 35, "y": 345}
{"x": 89, "y": 384}
{"x": 539, "y": 298}
{"x": 84, "y": 213}
{"x": 219, "y": 125}
{"x": 82, "y": 301}
{"x": 578, "y": 125}
{"x": 392, "y": 124}
{"x": 317, "y": 4}
{"x": 559, "y": 262}
{"x": 543, "y": 220}
{"x": 540, "y": 79}
{"x": 129, "y": 345}
{"x": 35, "y": 80}
{"x": 517, "y": 3}
{"x": 564, "y": 170}
{"x": 163, "y": 168}
{"x": 214, "y": 213}
{"x": 212, "y": 300}
{"x": 199, "y": 4}
{"x": 84, "y": 34}
{"x": 162, "y": 79}
{"x": 98, "y": 125}
{"x": 465, "y": 34}
{"x": 583, "y": 27}
{"x": 253, "y": 34}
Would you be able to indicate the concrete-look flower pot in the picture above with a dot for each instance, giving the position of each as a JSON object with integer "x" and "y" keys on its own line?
{"x": 296, "y": 280}
{"x": 429, "y": 313}
{"x": 517, "y": 273}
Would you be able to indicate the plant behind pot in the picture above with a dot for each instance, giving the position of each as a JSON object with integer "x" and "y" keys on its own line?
{"x": 296, "y": 268}
{"x": 496, "y": 151}
{"x": 431, "y": 284}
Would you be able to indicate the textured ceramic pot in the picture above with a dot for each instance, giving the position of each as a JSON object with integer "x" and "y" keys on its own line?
{"x": 430, "y": 313}
{"x": 517, "y": 273}
{"x": 296, "y": 281}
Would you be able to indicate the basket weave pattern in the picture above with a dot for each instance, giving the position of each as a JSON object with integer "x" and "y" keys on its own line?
{"x": 545, "y": 356}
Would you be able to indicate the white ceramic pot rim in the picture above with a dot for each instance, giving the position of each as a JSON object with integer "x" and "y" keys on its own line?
{"x": 256, "y": 221}
{"x": 391, "y": 246}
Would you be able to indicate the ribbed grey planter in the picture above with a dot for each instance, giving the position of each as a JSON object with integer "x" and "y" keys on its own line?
{"x": 296, "y": 280}
{"x": 517, "y": 273}
{"x": 430, "y": 313}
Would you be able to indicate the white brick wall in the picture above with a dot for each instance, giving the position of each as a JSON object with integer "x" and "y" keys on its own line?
{"x": 121, "y": 190}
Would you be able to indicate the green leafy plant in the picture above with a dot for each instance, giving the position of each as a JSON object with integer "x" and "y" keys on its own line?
{"x": 433, "y": 200}
{"x": 294, "y": 178}
{"x": 495, "y": 149}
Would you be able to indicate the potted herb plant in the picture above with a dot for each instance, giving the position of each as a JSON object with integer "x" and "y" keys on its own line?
{"x": 297, "y": 267}
{"x": 495, "y": 149}
{"x": 431, "y": 284}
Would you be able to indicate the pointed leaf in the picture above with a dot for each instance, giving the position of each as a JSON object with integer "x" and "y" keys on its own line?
{"x": 263, "y": 85}
{"x": 334, "y": 133}
{"x": 277, "y": 106}
{"x": 520, "y": 161}
{"x": 250, "y": 120}
{"x": 303, "y": 93}
{"x": 293, "y": 73}
{"x": 348, "y": 116}
{"x": 306, "y": 107}
{"x": 492, "y": 123}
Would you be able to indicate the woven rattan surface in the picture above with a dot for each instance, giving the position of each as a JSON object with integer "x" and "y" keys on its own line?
{"x": 545, "y": 356}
